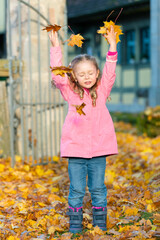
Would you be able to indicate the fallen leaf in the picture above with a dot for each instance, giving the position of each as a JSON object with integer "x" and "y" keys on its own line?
{"x": 33, "y": 200}
{"x": 51, "y": 230}
{"x": 2, "y": 167}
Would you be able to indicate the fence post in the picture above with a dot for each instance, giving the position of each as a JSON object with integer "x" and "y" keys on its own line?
{"x": 10, "y": 86}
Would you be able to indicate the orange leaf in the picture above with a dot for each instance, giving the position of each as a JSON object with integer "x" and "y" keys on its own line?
{"x": 2, "y": 167}
{"x": 79, "y": 108}
{"x": 75, "y": 40}
{"x": 147, "y": 194}
{"x": 61, "y": 70}
{"x": 89, "y": 225}
{"x": 13, "y": 238}
{"x": 54, "y": 27}
{"x": 66, "y": 236}
{"x": 131, "y": 211}
{"x": 107, "y": 26}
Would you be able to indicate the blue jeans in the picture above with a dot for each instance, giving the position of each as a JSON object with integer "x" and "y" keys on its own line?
{"x": 78, "y": 168}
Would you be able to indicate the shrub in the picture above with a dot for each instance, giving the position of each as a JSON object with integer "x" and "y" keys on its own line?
{"x": 149, "y": 121}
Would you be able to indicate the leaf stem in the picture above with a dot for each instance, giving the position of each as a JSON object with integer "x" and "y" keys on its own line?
{"x": 71, "y": 29}
{"x": 109, "y": 15}
{"x": 118, "y": 15}
{"x": 63, "y": 42}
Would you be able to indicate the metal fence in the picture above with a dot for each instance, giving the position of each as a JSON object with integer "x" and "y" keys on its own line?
{"x": 37, "y": 110}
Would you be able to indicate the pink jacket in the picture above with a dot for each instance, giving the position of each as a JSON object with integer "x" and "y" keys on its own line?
{"x": 92, "y": 134}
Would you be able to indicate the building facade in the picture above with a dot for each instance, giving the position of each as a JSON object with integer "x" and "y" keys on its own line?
{"x": 137, "y": 83}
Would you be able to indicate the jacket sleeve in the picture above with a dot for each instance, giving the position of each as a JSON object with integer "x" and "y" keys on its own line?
{"x": 60, "y": 82}
{"x": 109, "y": 75}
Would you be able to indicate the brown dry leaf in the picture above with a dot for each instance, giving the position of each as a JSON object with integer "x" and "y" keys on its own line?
{"x": 75, "y": 40}
{"x": 107, "y": 26}
{"x": 54, "y": 27}
{"x": 79, "y": 108}
{"x": 96, "y": 230}
{"x": 66, "y": 236}
{"x": 61, "y": 71}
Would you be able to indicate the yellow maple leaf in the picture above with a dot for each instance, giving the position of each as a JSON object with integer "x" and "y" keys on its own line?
{"x": 26, "y": 168}
{"x": 40, "y": 187}
{"x": 56, "y": 158}
{"x": 123, "y": 228}
{"x": 51, "y": 230}
{"x": 18, "y": 158}
{"x": 2, "y": 167}
{"x": 131, "y": 211}
{"x": 110, "y": 175}
{"x": 13, "y": 238}
{"x": 49, "y": 172}
{"x": 96, "y": 230}
{"x": 147, "y": 175}
{"x": 89, "y": 226}
{"x": 39, "y": 170}
{"x": 54, "y": 189}
{"x": 107, "y": 26}
{"x": 87, "y": 216}
{"x": 61, "y": 70}
{"x": 150, "y": 208}
{"x": 41, "y": 204}
{"x": 59, "y": 228}
{"x": 7, "y": 203}
{"x": 75, "y": 40}
{"x": 31, "y": 223}
{"x": 54, "y": 197}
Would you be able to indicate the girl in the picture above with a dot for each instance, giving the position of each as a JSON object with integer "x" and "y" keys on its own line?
{"x": 88, "y": 134}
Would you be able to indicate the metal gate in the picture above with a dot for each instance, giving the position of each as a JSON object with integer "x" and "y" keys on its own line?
{"x": 36, "y": 109}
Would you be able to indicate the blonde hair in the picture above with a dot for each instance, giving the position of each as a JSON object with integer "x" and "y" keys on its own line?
{"x": 75, "y": 85}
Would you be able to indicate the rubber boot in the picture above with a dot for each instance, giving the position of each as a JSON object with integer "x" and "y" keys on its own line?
{"x": 100, "y": 217}
{"x": 76, "y": 217}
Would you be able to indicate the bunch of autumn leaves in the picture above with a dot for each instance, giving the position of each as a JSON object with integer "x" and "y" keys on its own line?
{"x": 77, "y": 39}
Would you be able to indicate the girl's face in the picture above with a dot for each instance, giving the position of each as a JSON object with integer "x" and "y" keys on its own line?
{"x": 86, "y": 73}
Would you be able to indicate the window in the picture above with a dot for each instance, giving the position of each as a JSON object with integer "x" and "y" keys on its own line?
{"x": 130, "y": 46}
{"x": 2, "y": 46}
{"x": 145, "y": 44}
{"x": 2, "y": 29}
{"x": 119, "y": 50}
{"x": 86, "y": 47}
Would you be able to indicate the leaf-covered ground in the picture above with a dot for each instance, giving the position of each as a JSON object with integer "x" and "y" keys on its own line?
{"x": 33, "y": 200}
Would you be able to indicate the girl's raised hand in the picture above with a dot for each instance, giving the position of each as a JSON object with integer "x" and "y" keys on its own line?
{"x": 54, "y": 38}
{"x": 111, "y": 37}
